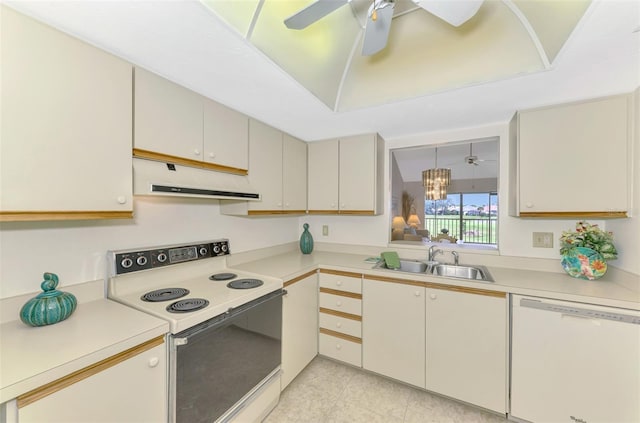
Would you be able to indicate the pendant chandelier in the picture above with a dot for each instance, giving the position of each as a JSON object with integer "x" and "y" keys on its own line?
{"x": 436, "y": 181}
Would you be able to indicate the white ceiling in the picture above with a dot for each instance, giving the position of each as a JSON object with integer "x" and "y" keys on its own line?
{"x": 187, "y": 43}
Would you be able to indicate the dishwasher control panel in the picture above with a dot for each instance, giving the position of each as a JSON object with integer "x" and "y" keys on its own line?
{"x": 587, "y": 313}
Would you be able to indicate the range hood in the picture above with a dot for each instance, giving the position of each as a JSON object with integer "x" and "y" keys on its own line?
{"x": 167, "y": 179}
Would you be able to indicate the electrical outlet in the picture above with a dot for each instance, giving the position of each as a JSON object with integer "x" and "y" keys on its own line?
{"x": 543, "y": 239}
{"x": 325, "y": 230}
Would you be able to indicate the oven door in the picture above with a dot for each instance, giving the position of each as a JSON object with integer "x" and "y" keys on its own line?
{"x": 216, "y": 363}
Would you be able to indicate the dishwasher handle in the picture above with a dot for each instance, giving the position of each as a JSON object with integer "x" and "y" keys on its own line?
{"x": 582, "y": 312}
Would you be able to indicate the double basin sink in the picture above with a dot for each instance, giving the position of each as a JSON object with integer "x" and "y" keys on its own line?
{"x": 474, "y": 273}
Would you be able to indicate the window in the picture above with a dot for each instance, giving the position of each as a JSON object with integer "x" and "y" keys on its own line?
{"x": 471, "y": 217}
{"x": 469, "y": 213}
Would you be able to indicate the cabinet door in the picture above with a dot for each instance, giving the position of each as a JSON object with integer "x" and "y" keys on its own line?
{"x": 294, "y": 174}
{"x": 357, "y": 173}
{"x": 573, "y": 158}
{"x": 323, "y": 177}
{"x": 265, "y": 165}
{"x": 226, "y": 136}
{"x": 134, "y": 390}
{"x": 66, "y": 124}
{"x": 168, "y": 117}
{"x": 466, "y": 347}
{"x": 393, "y": 334}
{"x": 299, "y": 327}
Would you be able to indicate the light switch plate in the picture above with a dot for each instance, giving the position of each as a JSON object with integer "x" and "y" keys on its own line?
{"x": 325, "y": 230}
{"x": 542, "y": 239}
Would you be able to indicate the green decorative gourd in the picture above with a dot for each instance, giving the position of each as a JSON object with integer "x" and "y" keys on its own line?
{"x": 49, "y": 307}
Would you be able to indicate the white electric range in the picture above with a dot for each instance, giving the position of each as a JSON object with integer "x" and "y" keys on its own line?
{"x": 220, "y": 321}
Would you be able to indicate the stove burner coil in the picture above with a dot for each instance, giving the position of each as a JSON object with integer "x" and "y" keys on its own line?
{"x": 245, "y": 283}
{"x": 187, "y": 305}
{"x": 222, "y": 276}
{"x": 164, "y": 294}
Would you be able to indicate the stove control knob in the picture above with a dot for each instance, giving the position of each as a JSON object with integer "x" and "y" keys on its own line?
{"x": 216, "y": 249}
{"x": 225, "y": 248}
{"x": 203, "y": 251}
{"x": 126, "y": 263}
{"x": 142, "y": 260}
{"x": 162, "y": 257}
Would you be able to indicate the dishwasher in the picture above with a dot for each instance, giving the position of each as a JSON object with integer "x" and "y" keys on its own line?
{"x": 574, "y": 362}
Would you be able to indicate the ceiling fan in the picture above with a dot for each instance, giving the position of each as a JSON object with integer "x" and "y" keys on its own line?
{"x": 380, "y": 14}
{"x": 474, "y": 160}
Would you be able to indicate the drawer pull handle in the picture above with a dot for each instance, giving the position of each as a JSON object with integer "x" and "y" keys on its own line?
{"x": 433, "y": 296}
{"x": 339, "y": 325}
{"x": 153, "y": 361}
{"x": 338, "y": 303}
{"x": 417, "y": 293}
{"x": 338, "y": 346}
{"x": 339, "y": 283}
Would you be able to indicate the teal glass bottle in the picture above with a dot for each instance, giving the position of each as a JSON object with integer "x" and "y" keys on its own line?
{"x": 306, "y": 240}
{"x": 49, "y": 307}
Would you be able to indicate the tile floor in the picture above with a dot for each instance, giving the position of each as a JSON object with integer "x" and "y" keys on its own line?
{"x": 330, "y": 392}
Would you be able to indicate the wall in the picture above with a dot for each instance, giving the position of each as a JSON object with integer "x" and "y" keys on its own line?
{"x": 515, "y": 234}
{"x": 76, "y": 251}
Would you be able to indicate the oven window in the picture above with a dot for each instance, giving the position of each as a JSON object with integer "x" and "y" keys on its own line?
{"x": 220, "y": 364}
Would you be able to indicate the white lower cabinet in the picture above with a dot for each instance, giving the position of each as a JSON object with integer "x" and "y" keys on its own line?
{"x": 129, "y": 387}
{"x": 393, "y": 333}
{"x": 340, "y": 321}
{"x": 299, "y": 326}
{"x": 466, "y": 352}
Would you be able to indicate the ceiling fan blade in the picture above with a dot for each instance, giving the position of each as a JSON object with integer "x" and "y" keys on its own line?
{"x": 315, "y": 11}
{"x": 376, "y": 32}
{"x": 454, "y": 12}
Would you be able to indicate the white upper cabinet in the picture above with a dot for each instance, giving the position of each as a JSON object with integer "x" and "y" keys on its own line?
{"x": 178, "y": 125}
{"x": 226, "y": 136}
{"x": 574, "y": 160}
{"x": 168, "y": 117}
{"x": 278, "y": 171}
{"x": 66, "y": 115}
{"x": 346, "y": 175}
{"x": 265, "y": 162}
{"x": 323, "y": 176}
{"x": 294, "y": 174}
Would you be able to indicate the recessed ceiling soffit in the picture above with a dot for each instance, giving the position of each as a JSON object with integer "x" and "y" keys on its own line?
{"x": 424, "y": 55}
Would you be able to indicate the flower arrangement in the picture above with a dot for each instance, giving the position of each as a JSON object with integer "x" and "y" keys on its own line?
{"x": 589, "y": 236}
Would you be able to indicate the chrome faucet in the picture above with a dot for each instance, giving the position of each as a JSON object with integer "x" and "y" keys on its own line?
{"x": 456, "y": 258}
{"x": 432, "y": 252}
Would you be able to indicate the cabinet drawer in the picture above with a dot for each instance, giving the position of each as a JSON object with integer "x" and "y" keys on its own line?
{"x": 343, "y": 283}
{"x": 341, "y": 349}
{"x": 340, "y": 303}
{"x": 341, "y": 324}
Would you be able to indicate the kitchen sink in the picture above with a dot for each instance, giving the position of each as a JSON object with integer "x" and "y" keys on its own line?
{"x": 462, "y": 272}
{"x": 477, "y": 273}
{"x": 406, "y": 265}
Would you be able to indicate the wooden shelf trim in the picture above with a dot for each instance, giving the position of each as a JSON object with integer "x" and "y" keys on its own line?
{"x": 272, "y": 212}
{"x": 341, "y": 293}
{"x": 77, "y": 376}
{"x": 167, "y": 158}
{"x": 299, "y": 278}
{"x": 341, "y": 273}
{"x": 341, "y": 314}
{"x": 33, "y": 216}
{"x": 443, "y": 287}
{"x": 345, "y": 212}
{"x": 341, "y": 335}
{"x": 577, "y": 215}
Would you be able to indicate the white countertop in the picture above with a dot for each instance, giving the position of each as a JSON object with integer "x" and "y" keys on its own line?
{"x": 99, "y": 328}
{"x": 616, "y": 289}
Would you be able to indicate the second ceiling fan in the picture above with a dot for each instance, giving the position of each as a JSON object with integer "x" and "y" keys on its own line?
{"x": 380, "y": 14}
